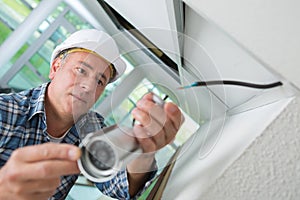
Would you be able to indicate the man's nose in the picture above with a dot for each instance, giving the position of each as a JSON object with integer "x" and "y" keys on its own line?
{"x": 87, "y": 84}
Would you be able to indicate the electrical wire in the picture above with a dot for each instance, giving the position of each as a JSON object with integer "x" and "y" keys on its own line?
{"x": 231, "y": 82}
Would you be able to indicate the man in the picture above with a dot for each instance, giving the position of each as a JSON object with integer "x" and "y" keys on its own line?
{"x": 38, "y": 136}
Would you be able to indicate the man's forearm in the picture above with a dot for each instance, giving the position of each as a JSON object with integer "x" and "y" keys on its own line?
{"x": 143, "y": 168}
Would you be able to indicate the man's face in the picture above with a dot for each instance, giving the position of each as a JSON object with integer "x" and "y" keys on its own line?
{"x": 77, "y": 82}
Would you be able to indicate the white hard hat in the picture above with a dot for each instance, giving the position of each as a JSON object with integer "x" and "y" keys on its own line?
{"x": 98, "y": 42}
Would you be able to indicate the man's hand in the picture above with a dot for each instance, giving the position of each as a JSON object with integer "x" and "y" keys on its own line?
{"x": 33, "y": 172}
{"x": 158, "y": 127}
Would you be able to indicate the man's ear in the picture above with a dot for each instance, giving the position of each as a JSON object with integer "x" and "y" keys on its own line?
{"x": 54, "y": 67}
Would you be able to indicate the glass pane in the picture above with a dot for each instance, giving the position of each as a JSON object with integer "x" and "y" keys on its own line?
{"x": 76, "y": 21}
{"x": 46, "y": 50}
{"x": 144, "y": 87}
{"x": 4, "y": 32}
{"x": 51, "y": 18}
{"x": 121, "y": 115}
{"x": 56, "y": 12}
{"x": 42, "y": 66}
{"x": 24, "y": 79}
{"x": 41, "y": 59}
{"x": 6, "y": 67}
{"x": 5, "y": 16}
{"x": 59, "y": 35}
{"x": 105, "y": 93}
{"x": 33, "y": 3}
{"x": 110, "y": 87}
{"x": 19, "y": 53}
{"x": 33, "y": 37}
{"x": 13, "y": 12}
{"x": 44, "y": 25}
{"x": 188, "y": 128}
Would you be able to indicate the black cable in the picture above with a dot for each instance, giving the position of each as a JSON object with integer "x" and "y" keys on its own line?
{"x": 230, "y": 82}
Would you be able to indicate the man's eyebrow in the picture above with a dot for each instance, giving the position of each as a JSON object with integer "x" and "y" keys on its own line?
{"x": 92, "y": 68}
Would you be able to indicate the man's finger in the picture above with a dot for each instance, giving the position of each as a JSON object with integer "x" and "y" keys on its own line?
{"x": 155, "y": 111}
{"x": 36, "y": 186}
{"x": 174, "y": 114}
{"x": 146, "y": 143}
{"x": 148, "y": 122}
{"x": 148, "y": 96}
{"x": 47, "y": 170}
{"x": 47, "y": 151}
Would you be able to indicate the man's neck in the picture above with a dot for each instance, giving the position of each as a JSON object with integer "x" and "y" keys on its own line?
{"x": 57, "y": 125}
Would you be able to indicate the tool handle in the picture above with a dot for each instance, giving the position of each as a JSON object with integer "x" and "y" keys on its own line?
{"x": 158, "y": 100}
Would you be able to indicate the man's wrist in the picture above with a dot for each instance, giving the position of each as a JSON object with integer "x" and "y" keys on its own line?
{"x": 139, "y": 172}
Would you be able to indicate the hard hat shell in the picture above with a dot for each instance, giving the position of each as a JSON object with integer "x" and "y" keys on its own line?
{"x": 97, "y": 41}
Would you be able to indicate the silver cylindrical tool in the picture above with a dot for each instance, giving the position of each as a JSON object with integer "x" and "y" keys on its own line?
{"x": 107, "y": 151}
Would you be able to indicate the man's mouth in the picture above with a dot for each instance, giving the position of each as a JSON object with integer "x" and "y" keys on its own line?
{"x": 79, "y": 98}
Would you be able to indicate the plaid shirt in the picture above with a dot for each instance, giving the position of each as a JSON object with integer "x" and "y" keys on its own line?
{"x": 23, "y": 123}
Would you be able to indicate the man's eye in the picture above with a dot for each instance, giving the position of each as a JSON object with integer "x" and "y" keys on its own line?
{"x": 80, "y": 70}
{"x": 100, "y": 83}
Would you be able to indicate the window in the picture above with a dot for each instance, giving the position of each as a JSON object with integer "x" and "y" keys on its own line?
{"x": 29, "y": 67}
{"x": 13, "y": 13}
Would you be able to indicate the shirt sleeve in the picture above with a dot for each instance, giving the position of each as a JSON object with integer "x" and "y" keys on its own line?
{"x": 118, "y": 187}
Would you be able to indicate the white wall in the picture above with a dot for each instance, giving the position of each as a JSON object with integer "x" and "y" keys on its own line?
{"x": 269, "y": 29}
{"x": 269, "y": 168}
